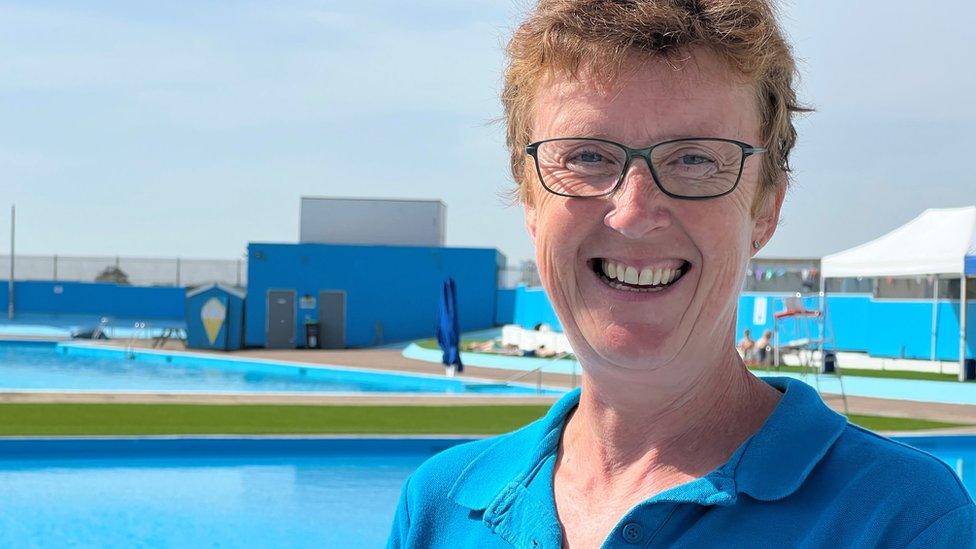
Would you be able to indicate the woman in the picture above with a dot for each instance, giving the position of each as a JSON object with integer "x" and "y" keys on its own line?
{"x": 650, "y": 139}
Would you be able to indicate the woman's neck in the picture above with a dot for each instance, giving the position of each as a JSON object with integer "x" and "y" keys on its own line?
{"x": 682, "y": 427}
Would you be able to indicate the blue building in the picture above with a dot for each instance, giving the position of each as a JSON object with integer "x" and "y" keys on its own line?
{"x": 363, "y": 295}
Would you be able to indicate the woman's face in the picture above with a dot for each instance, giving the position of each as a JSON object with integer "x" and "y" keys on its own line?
{"x": 638, "y": 226}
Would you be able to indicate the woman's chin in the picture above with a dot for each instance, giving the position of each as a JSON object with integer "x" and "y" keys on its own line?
{"x": 637, "y": 347}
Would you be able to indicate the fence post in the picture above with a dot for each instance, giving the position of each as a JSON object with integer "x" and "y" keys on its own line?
{"x": 177, "y": 272}
{"x": 13, "y": 256}
{"x": 55, "y": 267}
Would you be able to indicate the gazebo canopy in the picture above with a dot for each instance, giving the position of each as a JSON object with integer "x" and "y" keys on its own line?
{"x": 939, "y": 241}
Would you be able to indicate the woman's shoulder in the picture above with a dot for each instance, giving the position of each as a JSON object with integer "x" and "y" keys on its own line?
{"x": 439, "y": 471}
{"x": 487, "y": 458}
{"x": 882, "y": 460}
{"x": 920, "y": 496}
{"x": 436, "y": 499}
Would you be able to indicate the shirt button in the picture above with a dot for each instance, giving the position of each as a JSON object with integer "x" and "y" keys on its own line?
{"x": 632, "y": 532}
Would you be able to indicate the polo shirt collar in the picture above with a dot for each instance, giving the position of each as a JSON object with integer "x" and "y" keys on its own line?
{"x": 794, "y": 439}
{"x": 770, "y": 465}
{"x": 514, "y": 458}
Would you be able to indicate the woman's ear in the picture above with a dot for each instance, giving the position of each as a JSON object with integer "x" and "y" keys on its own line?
{"x": 529, "y": 210}
{"x": 768, "y": 216}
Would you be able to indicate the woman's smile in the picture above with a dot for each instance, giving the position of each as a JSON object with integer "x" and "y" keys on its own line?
{"x": 627, "y": 280}
{"x": 625, "y": 276}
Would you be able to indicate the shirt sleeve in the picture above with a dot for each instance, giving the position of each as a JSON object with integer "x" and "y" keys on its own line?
{"x": 401, "y": 521}
{"x": 957, "y": 528}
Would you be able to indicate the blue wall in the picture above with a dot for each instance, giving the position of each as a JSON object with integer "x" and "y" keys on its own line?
{"x": 505, "y": 306}
{"x": 525, "y": 306}
{"x": 398, "y": 286}
{"x": 882, "y": 328}
{"x": 95, "y": 298}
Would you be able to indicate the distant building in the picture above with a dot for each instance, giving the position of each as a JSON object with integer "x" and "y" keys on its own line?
{"x": 363, "y": 296}
{"x": 529, "y": 273}
{"x": 788, "y": 275}
{"x": 393, "y": 222}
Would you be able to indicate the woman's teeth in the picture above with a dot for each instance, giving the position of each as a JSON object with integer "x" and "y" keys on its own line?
{"x": 619, "y": 274}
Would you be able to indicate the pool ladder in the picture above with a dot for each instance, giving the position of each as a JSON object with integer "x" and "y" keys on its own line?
{"x": 139, "y": 329}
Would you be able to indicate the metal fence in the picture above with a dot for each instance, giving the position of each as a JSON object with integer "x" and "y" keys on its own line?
{"x": 138, "y": 271}
{"x": 525, "y": 274}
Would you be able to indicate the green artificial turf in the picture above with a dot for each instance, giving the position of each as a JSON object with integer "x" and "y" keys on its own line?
{"x": 881, "y": 423}
{"x": 158, "y": 419}
{"x": 888, "y": 374}
{"x": 166, "y": 419}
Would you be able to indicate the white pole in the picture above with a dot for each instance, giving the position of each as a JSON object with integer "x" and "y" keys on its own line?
{"x": 962, "y": 327}
{"x": 10, "y": 282}
{"x": 935, "y": 318}
{"x": 823, "y": 319}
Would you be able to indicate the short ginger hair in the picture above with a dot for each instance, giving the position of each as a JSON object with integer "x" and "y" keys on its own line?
{"x": 569, "y": 36}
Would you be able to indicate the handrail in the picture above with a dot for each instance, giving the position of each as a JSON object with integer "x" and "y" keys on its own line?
{"x": 538, "y": 370}
{"x": 100, "y": 329}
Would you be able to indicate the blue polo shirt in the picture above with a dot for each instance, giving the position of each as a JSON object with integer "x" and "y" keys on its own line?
{"x": 806, "y": 478}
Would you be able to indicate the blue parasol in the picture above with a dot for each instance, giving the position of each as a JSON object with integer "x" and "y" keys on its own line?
{"x": 448, "y": 327}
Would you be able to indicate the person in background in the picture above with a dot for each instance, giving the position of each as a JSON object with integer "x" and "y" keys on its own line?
{"x": 763, "y": 349}
{"x": 745, "y": 346}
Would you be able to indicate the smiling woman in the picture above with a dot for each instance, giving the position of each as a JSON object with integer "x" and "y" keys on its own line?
{"x": 650, "y": 143}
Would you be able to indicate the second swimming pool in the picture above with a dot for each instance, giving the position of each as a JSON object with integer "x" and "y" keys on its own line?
{"x": 73, "y": 367}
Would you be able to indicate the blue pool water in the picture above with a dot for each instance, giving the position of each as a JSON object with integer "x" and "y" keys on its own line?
{"x": 233, "y": 492}
{"x": 204, "y": 493}
{"x": 74, "y": 367}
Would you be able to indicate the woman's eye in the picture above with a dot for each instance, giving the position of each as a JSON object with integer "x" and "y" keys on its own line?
{"x": 694, "y": 159}
{"x": 590, "y": 157}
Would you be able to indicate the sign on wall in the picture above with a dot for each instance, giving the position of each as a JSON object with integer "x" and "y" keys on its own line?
{"x": 213, "y": 314}
{"x": 759, "y": 311}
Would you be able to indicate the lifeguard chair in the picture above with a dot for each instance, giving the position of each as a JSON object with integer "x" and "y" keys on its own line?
{"x": 808, "y": 349}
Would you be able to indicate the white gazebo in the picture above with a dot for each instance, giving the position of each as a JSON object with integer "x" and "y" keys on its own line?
{"x": 940, "y": 241}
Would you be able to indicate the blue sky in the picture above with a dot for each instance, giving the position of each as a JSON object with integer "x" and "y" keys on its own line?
{"x": 190, "y": 128}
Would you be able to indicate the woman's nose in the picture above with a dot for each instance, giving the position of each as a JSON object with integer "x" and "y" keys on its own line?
{"x": 639, "y": 206}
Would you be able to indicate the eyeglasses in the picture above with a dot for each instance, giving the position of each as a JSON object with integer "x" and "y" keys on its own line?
{"x": 694, "y": 168}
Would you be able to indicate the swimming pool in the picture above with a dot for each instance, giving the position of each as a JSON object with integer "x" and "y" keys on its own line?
{"x": 234, "y": 492}
{"x": 203, "y": 492}
{"x": 36, "y": 366}
{"x": 946, "y": 392}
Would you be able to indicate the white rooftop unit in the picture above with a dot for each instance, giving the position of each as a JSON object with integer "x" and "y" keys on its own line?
{"x": 397, "y": 222}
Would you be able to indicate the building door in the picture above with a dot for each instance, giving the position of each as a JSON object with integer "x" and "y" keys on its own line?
{"x": 281, "y": 319}
{"x": 332, "y": 318}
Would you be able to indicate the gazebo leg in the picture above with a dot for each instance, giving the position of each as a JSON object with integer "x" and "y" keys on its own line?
{"x": 962, "y": 327}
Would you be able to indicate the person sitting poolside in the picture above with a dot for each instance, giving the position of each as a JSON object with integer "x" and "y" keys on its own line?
{"x": 763, "y": 348}
{"x": 650, "y": 141}
{"x": 745, "y": 346}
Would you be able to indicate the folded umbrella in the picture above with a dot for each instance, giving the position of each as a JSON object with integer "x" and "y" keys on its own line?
{"x": 448, "y": 326}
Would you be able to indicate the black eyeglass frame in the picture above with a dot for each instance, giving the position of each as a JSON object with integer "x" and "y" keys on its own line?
{"x": 532, "y": 149}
